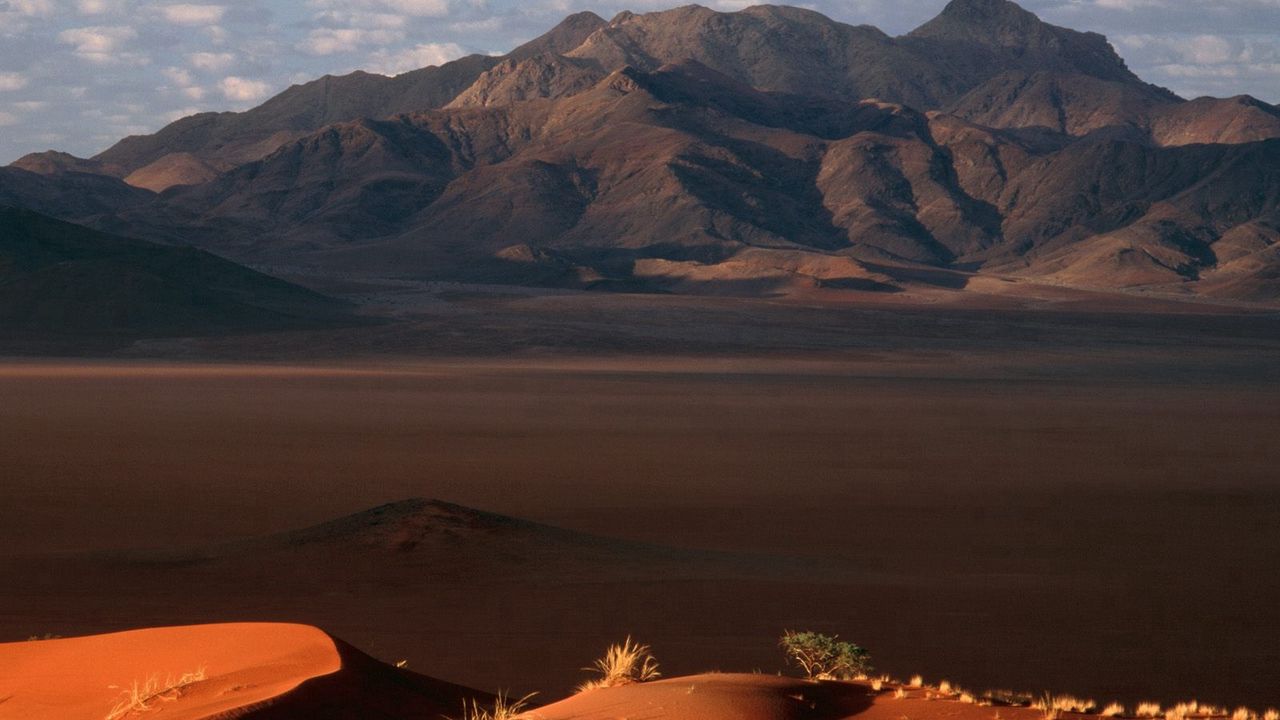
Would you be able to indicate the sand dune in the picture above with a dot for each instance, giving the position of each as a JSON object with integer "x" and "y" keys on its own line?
{"x": 251, "y": 671}
{"x": 714, "y": 697}
{"x": 728, "y": 696}
{"x": 1102, "y": 486}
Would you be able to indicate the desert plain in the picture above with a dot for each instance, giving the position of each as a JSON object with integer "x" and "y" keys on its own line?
{"x": 1066, "y": 497}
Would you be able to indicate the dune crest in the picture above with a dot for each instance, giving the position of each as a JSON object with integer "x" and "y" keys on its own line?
{"x": 255, "y": 671}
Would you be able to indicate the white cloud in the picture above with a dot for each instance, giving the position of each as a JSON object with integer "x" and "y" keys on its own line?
{"x": 12, "y": 81}
{"x": 99, "y": 7}
{"x": 31, "y": 106}
{"x": 210, "y": 61}
{"x": 238, "y": 89}
{"x": 1129, "y": 5}
{"x": 28, "y": 8}
{"x": 188, "y": 14}
{"x": 177, "y": 76}
{"x": 412, "y": 8}
{"x": 98, "y": 44}
{"x": 8, "y": 119}
{"x": 419, "y": 56}
{"x": 329, "y": 41}
{"x": 181, "y": 113}
{"x": 346, "y": 18}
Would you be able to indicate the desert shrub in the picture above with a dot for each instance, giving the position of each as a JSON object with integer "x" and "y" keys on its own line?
{"x": 824, "y": 657}
{"x": 142, "y": 695}
{"x": 623, "y": 664}
{"x": 504, "y": 708}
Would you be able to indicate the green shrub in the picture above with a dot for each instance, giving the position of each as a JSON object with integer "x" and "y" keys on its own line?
{"x": 824, "y": 657}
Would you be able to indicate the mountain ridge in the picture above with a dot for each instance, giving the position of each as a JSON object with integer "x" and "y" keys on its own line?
{"x": 766, "y": 151}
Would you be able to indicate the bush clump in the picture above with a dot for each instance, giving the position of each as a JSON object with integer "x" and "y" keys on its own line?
{"x": 824, "y": 657}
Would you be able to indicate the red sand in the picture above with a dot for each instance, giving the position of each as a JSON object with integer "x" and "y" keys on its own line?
{"x": 250, "y": 670}
{"x": 767, "y": 697}
{"x": 84, "y": 677}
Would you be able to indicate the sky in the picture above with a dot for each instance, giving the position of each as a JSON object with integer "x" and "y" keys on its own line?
{"x": 77, "y": 75}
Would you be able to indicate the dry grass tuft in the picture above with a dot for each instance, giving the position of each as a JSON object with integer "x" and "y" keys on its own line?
{"x": 623, "y": 664}
{"x": 1113, "y": 710}
{"x": 900, "y": 693}
{"x": 1271, "y": 714}
{"x": 1009, "y": 698}
{"x": 1243, "y": 713}
{"x": 944, "y": 687}
{"x": 916, "y": 681}
{"x": 504, "y": 708}
{"x": 1046, "y": 706}
{"x": 1067, "y": 703}
{"x": 1149, "y": 709}
{"x": 142, "y": 696}
{"x": 877, "y": 684}
{"x": 968, "y": 698}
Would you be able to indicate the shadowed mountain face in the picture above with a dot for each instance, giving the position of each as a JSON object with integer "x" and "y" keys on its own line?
{"x": 770, "y": 150}
{"x": 66, "y": 279}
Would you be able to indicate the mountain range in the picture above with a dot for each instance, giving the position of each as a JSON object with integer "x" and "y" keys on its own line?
{"x": 766, "y": 151}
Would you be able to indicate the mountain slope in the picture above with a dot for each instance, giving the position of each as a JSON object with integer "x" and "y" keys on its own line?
{"x": 225, "y": 140}
{"x": 975, "y": 37}
{"x": 64, "y": 278}
{"x": 685, "y": 179}
{"x": 68, "y": 193}
{"x": 689, "y": 150}
{"x": 769, "y": 47}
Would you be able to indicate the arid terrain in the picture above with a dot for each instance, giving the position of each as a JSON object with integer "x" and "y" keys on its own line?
{"x": 1079, "y": 501}
{"x": 687, "y": 326}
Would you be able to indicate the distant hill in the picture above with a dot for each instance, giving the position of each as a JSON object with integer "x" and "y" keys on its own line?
{"x": 61, "y": 278}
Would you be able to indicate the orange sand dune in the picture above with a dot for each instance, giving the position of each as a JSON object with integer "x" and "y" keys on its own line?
{"x": 766, "y": 697}
{"x": 714, "y": 697}
{"x": 257, "y": 671}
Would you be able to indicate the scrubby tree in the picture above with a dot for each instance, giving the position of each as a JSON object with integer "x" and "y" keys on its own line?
{"x": 824, "y": 657}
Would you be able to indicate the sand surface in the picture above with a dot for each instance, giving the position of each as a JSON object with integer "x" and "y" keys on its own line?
{"x": 241, "y": 665}
{"x": 1096, "y": 521}
{"x": 714, "y": 697}
{"x": 250, "y": 671}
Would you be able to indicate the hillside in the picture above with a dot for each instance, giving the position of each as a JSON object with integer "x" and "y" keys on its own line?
{"x": 65, "y": 279}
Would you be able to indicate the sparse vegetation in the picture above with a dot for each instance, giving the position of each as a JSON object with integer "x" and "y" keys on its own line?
{"x": 1149, "y": 709}
{"x": 623, "y": 664}
{"x": 900, "y": 693}
{"x": 1113, "y": 710}
{"x": 1068, "y": 703}
{"x": 824, "y": 657}
{"x": 142, "y": 696}
{"x": 916, "y": 681}
{"x": 1054, "y": 705}
{"x": 1047, "y": 705}
{"x": 504, "y": 708}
